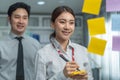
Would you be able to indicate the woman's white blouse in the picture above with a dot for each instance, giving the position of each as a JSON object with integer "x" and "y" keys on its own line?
{"x": 49, "y": 65}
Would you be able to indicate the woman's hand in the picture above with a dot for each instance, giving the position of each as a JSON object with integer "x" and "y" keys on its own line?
{"x": 69, "y": 68}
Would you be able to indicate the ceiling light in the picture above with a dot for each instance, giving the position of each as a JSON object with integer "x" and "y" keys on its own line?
{"x": 41, "y": 3}
{"x": 61, "y": 1}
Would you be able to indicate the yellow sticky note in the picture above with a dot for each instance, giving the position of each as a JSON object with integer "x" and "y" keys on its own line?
{"x": 97, "y": 46}
{"x": 92, "y": 6}
{"x": 75, "y": 73}
{"x": 96, "y": 26}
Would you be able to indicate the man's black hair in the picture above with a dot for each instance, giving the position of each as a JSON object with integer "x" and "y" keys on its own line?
{"x": 17, "y": 5}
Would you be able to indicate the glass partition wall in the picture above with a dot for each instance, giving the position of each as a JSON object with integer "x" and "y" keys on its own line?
{"x": 109, "y": 64}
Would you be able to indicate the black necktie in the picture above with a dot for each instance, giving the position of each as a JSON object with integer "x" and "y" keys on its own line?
{"x": 20, "y": 62}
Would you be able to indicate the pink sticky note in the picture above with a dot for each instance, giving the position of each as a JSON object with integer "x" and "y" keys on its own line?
{"x": 112, "y": 5}
{"x": 116, "y": 43}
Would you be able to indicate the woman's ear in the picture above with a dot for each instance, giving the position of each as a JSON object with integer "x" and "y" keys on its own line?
{"x": 52, "y": 25}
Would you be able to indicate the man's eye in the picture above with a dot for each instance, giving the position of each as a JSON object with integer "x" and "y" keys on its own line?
{"x": 16, "y": 16}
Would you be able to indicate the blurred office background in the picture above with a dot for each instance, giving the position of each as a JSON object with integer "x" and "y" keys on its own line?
{"x": 105, "y": 67}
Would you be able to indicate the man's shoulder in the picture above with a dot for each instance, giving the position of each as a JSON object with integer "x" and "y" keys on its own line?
{"x": 5, "y": 39}
{"x": 32, "y": 41}
{"x": 29, "y": 38}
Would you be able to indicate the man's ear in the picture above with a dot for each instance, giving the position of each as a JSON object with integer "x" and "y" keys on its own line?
{"x": 8, "y": 18}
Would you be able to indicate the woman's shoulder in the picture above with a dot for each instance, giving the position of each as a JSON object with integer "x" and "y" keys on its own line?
{"x": 76, "y": 45}
{"x": 45, "y": 51}
{"x": 45, "y": 48}
{"x": 80, "y": 49}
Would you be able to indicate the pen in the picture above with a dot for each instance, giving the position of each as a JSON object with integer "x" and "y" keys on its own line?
{"x": 66, "y": 60}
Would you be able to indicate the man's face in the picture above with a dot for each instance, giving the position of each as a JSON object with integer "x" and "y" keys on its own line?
{"x": 19, "y": 21}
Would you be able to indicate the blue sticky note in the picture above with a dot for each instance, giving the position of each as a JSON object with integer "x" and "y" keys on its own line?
{"x": 115, "y": 22}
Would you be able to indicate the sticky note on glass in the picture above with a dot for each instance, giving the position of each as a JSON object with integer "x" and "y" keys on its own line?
{"x": 115, "y": 22}
{"x": 112, "y": 5}
{"x": 96, "y": 26}
{"x": 97, "y": 46}
{"x": 92, "y": 6}
{"x": 116, "y": 43}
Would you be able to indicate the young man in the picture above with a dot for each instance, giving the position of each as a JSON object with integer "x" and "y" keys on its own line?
{"x": 18, "y": 15}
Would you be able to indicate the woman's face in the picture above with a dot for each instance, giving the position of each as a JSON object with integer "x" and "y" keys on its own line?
{"x": 64, "y": 26}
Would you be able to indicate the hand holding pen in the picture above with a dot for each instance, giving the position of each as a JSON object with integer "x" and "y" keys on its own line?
{"x": 71, "y": 67}
{"x": 68, "y": 61}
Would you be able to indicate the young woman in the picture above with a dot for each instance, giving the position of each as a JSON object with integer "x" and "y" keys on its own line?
{"x": 60, "y": 58}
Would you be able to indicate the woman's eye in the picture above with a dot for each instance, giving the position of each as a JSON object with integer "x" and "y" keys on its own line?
{"x": 72, "y": 22}
{"x": 25, "y": 17}
{"x": 62, "y": 21}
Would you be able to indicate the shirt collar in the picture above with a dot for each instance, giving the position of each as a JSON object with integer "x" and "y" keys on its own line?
{"x": 13, "y": 35}
{"x": 57, "y": 45}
